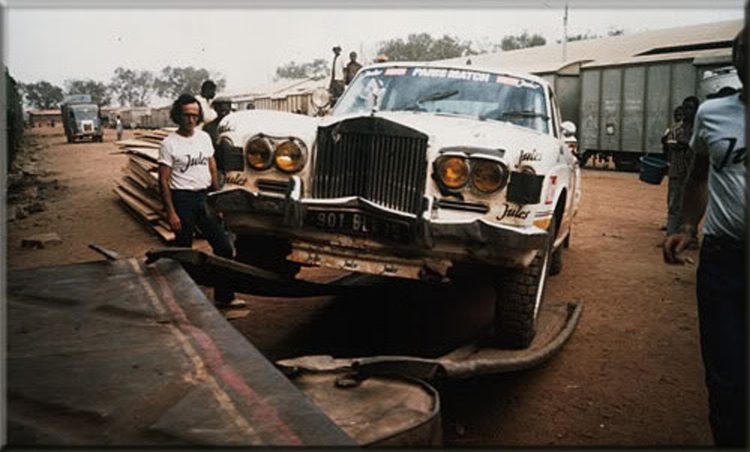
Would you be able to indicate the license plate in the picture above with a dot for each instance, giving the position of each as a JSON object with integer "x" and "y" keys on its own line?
{"x": 359, "y": 223}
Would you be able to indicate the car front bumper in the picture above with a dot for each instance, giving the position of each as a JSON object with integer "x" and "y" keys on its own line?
{"x": 433, "y": 244}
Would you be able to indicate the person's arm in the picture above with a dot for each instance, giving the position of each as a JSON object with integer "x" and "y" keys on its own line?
{"x": 693, "y": 207}
{"x": 214, "y": 174}
{"x": 165, "y": 173}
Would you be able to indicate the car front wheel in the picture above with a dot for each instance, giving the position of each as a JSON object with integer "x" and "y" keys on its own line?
{"x": 519, "y": 296}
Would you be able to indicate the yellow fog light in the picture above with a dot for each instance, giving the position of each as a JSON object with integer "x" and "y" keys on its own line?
{"x": 289, "y": 157}
{"x": 453, "y": 172}
{"x": 258, "y": 153}
{"x": 488, "y": 176}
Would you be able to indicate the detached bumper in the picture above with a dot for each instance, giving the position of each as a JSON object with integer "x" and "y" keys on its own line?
{"x": 474, "y": 240}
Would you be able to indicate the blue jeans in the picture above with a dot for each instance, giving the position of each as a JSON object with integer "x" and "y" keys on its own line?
{"x": 722, "y": 311}
{"x": 192, "y": 210}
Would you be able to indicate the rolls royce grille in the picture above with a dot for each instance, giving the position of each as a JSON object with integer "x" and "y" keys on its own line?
{"x": 375, "y": 159}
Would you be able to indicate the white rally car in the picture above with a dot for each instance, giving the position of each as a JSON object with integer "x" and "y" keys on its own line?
{"x": 422, "y": 171}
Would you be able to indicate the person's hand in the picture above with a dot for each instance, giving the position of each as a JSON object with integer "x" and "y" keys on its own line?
{"x": 674, "y": 245}
{"x": 174, "y": 221}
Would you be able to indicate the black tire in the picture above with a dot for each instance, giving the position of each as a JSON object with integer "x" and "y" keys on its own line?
{"x": 556, "y": 261}
{"x": 69, "y": 138}
{"x": 268, "y": 253}
{"x": 519, "y": 296}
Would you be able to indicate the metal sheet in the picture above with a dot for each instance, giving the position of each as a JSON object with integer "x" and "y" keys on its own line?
{"x": 683, "y": 83}
{"x": 658, "y": 112}
{"x": 634, "y": 79}
{"x": 589, "y": 116}
{"x": 123, "y": 354}
{"x": 568, "y": 90}
{"x": 610, "y": 124}
{"x": 377, "y": 410}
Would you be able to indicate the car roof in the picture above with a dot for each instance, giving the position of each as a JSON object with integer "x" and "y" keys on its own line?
{"x": 521, "y": 75}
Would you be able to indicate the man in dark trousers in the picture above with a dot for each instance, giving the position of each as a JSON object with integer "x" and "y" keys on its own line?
{"x": 716, "y": 187}
{"x": 336, "y": 87}
{"x": 187, "y": 171}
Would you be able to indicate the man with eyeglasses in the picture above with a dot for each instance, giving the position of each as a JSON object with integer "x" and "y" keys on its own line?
{"x": 187, "y": 171}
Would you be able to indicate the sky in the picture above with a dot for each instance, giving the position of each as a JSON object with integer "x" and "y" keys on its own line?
{"x": 246, "y": 45}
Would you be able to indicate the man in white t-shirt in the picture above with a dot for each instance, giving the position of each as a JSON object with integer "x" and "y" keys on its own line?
{"x": 716, "y": 187}
{"x": 187, "y": 170}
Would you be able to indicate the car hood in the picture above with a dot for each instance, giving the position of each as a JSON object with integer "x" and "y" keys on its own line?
{"x": 449, "y": 131}
{"x": 443, "y": 131}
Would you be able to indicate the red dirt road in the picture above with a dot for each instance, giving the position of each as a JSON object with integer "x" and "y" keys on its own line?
{"x": 630, "y": 376}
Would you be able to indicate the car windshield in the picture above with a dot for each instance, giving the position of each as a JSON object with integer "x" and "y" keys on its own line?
{"x": 480, "y": 95}
{"x": 80, "y": 113}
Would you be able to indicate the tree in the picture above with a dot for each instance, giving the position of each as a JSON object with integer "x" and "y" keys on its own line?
{"x": 317, "y": 69}
{"x": 14, "y": 116}
{"x": 522, "y": 41}
{"x": 173, "y": 81}
{"x": 42, "y": 95}
{"x": 423, "y": 47}
{"x": 100, "y": 93}
{"x": 132, "y": 87}
{"x": 589, "y": 35}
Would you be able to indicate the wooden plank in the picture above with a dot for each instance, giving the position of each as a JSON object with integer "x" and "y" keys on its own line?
{"x": 153, "y": 203}
{"x": 137, "y": 144}
{"x": 152, "y": 179}
{"x": 139, "y": 180}
{"x": 138, "y": 206}
{"x": 163, "y": 232}
{"x": 146, "y": 164}
{"x": 151, "y": 139}
{"x": 160, "y": 232}
{"x": 147, "y": 153}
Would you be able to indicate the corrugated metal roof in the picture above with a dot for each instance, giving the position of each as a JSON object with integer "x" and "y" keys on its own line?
{"x": 548, "y": 58}
{"x": 274, "y": 88}
{"x": 724, "y": 55}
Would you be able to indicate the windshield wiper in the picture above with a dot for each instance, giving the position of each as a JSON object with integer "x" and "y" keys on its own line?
{"x": 440, "y": 95}
{"x": 512, "y": 114}
{"x": 522, "y": 114}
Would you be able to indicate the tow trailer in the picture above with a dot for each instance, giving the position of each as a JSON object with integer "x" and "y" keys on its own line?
{"x": 130, "y": 352}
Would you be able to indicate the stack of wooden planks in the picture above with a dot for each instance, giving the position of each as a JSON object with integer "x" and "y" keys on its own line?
{"x": 138, "y": 189}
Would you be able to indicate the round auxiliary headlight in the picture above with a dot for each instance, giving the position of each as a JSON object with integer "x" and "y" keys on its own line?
{"x": 258, "y": 153}
{"x": 453, "y": 172}
{"x": 320, "y": 97}
{"x": 289, "y": 157}
{"x": 488, "y": 176}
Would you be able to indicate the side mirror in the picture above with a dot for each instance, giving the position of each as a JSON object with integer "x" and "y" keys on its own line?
{"x": 568, "y": 128}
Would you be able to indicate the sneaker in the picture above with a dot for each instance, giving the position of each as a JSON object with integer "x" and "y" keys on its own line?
{"x": 233, "y": 304}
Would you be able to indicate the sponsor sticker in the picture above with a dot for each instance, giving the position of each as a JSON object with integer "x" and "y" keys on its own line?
{"x": 395, "y": 71}
{"x": 454, "y": 74}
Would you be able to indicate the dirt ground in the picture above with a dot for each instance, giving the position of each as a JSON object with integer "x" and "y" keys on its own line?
{"x": 630, "y": 376}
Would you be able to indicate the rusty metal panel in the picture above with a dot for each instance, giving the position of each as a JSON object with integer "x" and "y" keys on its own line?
{"x": 610, "y": 125}
{"x": 683, "y": 82}
{"x": 589, "y": 108}
{"x": 634, "y": 79}
{"x": 658, "y": 111}
{"x": 126, "y": 354}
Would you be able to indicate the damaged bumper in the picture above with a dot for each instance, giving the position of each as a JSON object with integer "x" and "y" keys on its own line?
{"x": 420, "y": 242}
